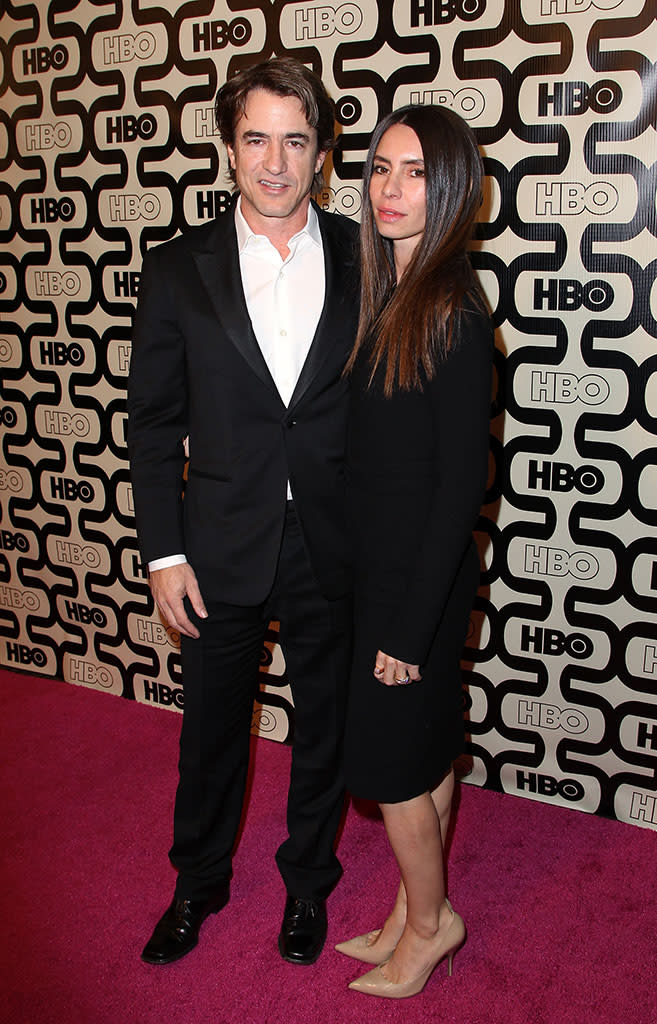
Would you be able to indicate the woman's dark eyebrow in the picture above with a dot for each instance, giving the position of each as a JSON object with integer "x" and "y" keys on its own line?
{"x": 415, "y": 160}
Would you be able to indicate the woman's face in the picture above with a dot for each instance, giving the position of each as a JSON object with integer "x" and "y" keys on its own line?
{"x": 397, "y": 188}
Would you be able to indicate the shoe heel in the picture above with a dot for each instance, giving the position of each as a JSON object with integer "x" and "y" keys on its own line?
{"x": 450, "y": 958}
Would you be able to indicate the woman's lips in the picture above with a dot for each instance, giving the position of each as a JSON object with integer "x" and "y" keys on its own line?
{"x": 389, "y": 216}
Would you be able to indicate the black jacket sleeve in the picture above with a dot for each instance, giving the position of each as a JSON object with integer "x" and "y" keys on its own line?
{"x": 460, "y": 395}
{"x": 157, "y": 414}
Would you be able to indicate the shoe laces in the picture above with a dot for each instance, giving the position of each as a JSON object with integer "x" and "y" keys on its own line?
{"x": 302, "y": 908}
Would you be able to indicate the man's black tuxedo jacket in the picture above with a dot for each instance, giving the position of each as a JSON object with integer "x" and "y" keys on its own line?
{"x": 197, "y": 370}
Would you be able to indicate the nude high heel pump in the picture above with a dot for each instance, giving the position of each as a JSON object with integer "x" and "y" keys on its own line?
{"x": 366, "y": 948}
{"x": 374, "y": 983}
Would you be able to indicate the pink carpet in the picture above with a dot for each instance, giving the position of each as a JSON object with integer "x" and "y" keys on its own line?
{"x": 560, "y": 906}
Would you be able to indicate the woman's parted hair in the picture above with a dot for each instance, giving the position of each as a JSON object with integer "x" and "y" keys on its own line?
{"x": 283, "y": 76}
{"x": 410, "y": 324}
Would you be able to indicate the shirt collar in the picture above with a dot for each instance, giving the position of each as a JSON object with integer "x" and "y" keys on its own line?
{"x": 247, "y": 237}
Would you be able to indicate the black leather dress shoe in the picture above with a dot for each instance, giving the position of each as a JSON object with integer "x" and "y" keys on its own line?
{"x": 303, "y": 930}
{"x": 176, "y": 933}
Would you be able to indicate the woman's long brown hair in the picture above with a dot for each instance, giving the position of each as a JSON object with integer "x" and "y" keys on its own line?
{"x": 408, "y": 326}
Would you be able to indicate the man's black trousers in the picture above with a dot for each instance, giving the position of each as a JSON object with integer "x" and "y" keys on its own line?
{"x": 220, "y": 679}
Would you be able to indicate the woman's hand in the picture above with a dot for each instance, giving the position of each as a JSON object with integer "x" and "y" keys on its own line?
{"x": 392, "y": 672}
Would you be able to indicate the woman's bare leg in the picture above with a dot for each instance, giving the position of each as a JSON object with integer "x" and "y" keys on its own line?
{"x": 441, "y": 798}
{"x": 416, "y": 830}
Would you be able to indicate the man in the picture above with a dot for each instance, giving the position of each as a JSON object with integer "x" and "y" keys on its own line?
{"x": 242, "y": 330}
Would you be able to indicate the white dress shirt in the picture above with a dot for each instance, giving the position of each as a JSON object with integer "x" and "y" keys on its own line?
{"x": 284, "y": 300}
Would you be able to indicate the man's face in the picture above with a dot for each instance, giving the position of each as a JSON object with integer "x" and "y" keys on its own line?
{"x": 275, "y": 158}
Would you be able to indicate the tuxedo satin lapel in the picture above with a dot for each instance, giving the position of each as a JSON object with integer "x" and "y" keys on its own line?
{"x": 218, "y": 265}
{"x": 337, "y": 287}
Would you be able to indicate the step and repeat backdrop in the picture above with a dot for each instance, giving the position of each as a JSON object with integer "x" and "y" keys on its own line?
{"x": 107, "y": 146}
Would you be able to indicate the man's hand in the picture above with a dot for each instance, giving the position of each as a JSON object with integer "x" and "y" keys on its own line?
{"x": 169, "y": 586}
{"x": 392, "y": 672}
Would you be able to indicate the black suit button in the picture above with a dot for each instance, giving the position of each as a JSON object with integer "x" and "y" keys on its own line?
{"x": 291, "y": 423}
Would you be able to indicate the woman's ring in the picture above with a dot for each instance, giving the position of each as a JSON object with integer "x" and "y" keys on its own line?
{"x": 404, "y": 679}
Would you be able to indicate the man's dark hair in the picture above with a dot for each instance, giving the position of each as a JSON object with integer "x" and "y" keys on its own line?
{"x": 282, "y": 76}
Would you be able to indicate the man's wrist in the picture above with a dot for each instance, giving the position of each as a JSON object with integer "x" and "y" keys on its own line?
{"x": 166, "y": 562}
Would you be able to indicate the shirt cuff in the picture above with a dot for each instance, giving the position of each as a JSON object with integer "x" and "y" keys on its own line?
{"x": 166, "y": 562}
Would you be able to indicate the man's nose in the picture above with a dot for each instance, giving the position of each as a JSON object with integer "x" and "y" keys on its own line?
{"x": 275, "y": 158}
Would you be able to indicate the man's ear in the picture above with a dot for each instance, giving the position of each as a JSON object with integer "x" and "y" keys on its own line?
{"x": 231, "y": 156}
{"x": 321, "y": 157}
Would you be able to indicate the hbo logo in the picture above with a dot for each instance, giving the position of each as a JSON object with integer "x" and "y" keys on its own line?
{"x": 65, "y": 489}
{"x": 544, "y": 561}
{"x": 85, "y": 615}
{"x": 118, "y": 49}
{"x": 546, "y": 785}
{"x": 578, "y": 97}
{"x": 23, "y": 655}
{"x": 127, "y": 128}
{"x": 65, "y": 424}
{"x": 569, "y": 295}
{"x": 568, "y": 198}
{"x": 87, "y": 672}
{"x": 130, "y": 207}
{"x": 442, "y": 12}
{"x": 549, "y": 716}
{"x": 13, "y": 541}
{"x": 553, "y": 641}
{"x": 52, "y": 282}
{"x": 321, "y": 22}
{"x": 73, "y": 553}
{"x": 49, "y": 210}
{"x": 12, "y": 597}
{"x": 44, "y": 135}
{"x": 155, "y": 633}
{"x": 560, "y": 476}
{"x": 162, "y": 694}
{"x": 557, "y": 386}
{"x": 467, "y": 102}
{"x": 42, "y": 58}
{"x": 216, "y": 35}
{"x": 58, "y": 353}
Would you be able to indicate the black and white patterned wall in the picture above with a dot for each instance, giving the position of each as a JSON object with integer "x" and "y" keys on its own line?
{"x": 107, "y": 146}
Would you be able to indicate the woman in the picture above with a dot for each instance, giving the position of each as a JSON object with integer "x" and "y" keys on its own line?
{"x": 420, "y": 378}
